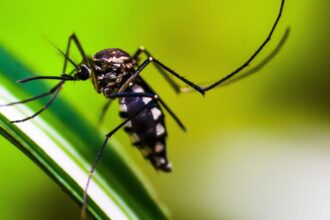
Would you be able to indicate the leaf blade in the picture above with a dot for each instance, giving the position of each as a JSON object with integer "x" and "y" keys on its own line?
{"x": 115, "y": 178}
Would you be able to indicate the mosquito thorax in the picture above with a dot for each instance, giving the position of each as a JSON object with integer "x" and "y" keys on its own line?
{"x": 112, "y": 68}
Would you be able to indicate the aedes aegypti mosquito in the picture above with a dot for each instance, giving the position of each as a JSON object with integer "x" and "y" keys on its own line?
{"x": 116, "y": 74}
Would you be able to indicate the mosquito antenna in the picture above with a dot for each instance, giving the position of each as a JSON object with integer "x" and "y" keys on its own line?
{"x": 60, "y": 51}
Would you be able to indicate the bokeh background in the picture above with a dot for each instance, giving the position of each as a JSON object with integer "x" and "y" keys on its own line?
{"x": 256, "y": 150}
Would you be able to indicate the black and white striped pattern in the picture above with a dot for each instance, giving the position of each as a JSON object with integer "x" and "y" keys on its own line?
{"x": 147, "y": 130}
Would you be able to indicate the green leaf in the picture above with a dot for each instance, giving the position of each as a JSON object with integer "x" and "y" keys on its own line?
{"x": 64, "y": 145}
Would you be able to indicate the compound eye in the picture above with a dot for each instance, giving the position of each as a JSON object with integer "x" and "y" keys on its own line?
{"x": 84, "y": 72}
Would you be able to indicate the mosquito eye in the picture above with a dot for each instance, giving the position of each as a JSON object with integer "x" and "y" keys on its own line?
{"x": 84, "y": 72}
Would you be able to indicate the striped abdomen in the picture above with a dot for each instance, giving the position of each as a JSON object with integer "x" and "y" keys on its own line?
{"x": 147, "y": 129}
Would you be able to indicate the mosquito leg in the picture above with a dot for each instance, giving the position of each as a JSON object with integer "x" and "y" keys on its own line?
{"x": 50, "y": 92}
{"x": 73, "y": 38}
{"x": 33, "y": 98}
{"x": 151, "y": 95}
{"x": 100, "y": 153}
{"x": 176, "y": 119}
{"x": 132, "y": 94}
{"x": 255, "y": 69}
{"x": 264, "y": 61}
{"x": 171, "y": 82}
{"x": 190, "y": 83}
{"x": 117, "y": 95}
{"x": 65, "y": 55}
{"x": 56, "y": 92}
{"x": 173, "y": 115}
{"x": 145, "y": 63}
{"x": 136, "y": 75}
{"x": 253, "y": 55}
{"x": 103, "y": 112}
{"x": 63, "y": 77}
{"x": 86, "y": 60}
{"x": 202, "y": 90}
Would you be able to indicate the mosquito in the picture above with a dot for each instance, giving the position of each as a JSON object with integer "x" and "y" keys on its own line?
{"x": 117, "y": 75}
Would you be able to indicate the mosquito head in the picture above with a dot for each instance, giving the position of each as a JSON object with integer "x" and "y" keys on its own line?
{"x": 83, "y": 72}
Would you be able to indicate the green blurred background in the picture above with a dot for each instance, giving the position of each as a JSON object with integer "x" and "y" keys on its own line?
{"x": 258, "y": 149}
